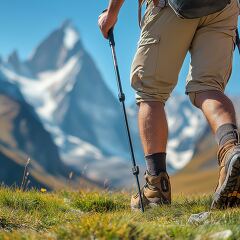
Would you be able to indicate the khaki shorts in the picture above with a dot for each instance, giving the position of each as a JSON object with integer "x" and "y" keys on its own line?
{"x": 164, "y": 42}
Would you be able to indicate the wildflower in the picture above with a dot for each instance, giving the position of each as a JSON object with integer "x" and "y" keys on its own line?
{"x": 43, "y": 190}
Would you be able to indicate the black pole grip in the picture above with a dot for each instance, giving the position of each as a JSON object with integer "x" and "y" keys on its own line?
{"x": 237, "y": 40}
{"x": 111, "y": 37}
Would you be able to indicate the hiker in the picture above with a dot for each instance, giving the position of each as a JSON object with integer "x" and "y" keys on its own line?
{"x": 164, "y": 42}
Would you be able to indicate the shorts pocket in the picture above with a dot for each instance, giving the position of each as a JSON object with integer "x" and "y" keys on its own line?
{"x": 150, "y": 16}
{"x": 145, "y": 64}
{"x": 229, "y": 64}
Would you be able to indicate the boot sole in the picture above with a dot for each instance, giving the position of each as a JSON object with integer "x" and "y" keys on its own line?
{"x": 229, "y": 193}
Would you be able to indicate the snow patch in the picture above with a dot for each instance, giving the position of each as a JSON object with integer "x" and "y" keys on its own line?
{"x": 71, "y": 38}
{"x": 46, "y": 92}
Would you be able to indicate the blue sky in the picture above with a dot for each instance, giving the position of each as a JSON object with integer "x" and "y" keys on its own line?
{"x": 23, "y": 24}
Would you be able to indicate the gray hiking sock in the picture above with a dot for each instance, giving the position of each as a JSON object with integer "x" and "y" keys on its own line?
{"x": 225, "y": 133}
{"x": 156, "y": 163}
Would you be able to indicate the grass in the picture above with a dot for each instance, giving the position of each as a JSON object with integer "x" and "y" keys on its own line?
{"x": 105, "y": 215}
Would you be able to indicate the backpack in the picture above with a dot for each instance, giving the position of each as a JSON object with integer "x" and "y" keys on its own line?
{"x": 194, "y": 9}
{"x": 197, "y": 8}
{"x": 190, "y": 8}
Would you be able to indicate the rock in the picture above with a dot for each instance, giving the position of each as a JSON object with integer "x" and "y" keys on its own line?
{"x": 198, "y": 218}
{"x": 76, "y": 211}
{"x": 221, "y": 235}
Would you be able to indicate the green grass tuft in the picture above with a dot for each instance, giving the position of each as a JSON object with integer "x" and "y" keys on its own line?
{"x": 95, "y": 202}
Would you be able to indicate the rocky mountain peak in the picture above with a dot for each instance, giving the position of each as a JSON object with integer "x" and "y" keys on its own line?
{"x": 53, "y": 52}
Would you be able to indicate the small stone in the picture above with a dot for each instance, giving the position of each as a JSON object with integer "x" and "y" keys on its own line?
{"x": 67, "y": 200}
{"x": 76, "y": 211}
{"x": 198, "y": 218}
{"x": 221, "y": 235}
{"x": 198, "y": 237}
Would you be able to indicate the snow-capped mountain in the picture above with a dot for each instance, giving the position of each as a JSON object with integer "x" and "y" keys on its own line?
{"x": 61, "y": 82}
{"x": 56, "y": 50}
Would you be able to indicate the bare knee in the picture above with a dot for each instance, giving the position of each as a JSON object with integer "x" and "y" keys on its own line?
{"x": 198, "y": 99}
{"x": 217, "y": 107}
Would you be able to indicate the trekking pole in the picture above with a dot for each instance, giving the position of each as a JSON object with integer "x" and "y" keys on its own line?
{"x": 121, "y": 96}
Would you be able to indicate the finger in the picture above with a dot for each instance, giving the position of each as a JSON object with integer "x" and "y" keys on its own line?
{"x": 104, "y": 12}
{"x": 105, "y": 35}
{"x": 100, "y": 22}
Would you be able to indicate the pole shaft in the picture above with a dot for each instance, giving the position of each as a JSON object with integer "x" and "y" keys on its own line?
{"x": 122, "y": 100}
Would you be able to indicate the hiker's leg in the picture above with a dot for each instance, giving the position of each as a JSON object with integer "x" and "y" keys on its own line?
{"x": 220, "y": 114}
{"x": 154, "y": 74}
{"x": 163, "y": 45}
{"x": 211, "y": 65}
{"x": 153, "y": 127}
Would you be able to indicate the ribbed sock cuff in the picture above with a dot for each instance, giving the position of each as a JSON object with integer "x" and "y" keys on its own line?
{"x": 156, "y": 163}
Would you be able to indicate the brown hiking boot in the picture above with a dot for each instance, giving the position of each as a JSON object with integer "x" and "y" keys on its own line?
{"x": 156, "y": 191}
{"x": 227, "y": 193}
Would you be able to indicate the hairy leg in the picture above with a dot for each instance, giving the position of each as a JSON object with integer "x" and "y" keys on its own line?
{"x": 153, "y": 127}
{"x": 153, "y": 130}
{"x": 217, "y": 108}
{"x": 220, "y": 114}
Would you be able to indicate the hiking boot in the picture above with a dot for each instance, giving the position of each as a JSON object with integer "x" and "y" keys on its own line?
{"x": 227, "y": 193}
{"x": 156, "y": 191}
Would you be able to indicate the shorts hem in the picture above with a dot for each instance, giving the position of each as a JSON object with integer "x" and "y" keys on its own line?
{"x": 202, "y": 89}
{"x": 138, "y": 101}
